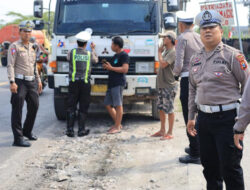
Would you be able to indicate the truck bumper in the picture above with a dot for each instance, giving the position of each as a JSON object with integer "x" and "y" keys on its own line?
{"x": 138, "y": 87}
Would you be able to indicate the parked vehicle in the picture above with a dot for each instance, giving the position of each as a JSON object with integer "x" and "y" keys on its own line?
{"x": 138, "y": 22}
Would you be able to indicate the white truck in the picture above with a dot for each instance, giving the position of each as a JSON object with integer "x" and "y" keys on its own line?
{"x": 138, "y": 22}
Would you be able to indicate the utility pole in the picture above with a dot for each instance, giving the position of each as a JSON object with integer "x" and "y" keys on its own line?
{"x": 238, "y": 26}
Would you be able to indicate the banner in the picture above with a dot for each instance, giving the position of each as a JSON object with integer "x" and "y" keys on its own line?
{"x": 225, "y": 9}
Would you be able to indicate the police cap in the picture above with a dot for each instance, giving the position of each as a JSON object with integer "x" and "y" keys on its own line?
{"x": 185, "y": 17}
{"x": 26, "y": 25}
{"x": 208, "y": 18}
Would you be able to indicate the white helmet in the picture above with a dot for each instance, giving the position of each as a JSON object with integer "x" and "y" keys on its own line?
{"x": 85, "y": 35}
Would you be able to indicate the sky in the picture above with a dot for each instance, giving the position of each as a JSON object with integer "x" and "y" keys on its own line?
{"x": 26, "y": 8}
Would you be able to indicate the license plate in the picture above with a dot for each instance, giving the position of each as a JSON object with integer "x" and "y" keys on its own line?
{"x": 99, "y": 88}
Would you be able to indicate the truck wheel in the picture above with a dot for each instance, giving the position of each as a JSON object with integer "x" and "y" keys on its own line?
{"x": 60, "y": 105}
{"x": 4, "y": 61}
{"x": 155, "y": 111}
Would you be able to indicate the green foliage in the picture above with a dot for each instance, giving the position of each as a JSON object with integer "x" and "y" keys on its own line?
{"x": 18, "y": 17}
{"x": 226, "y": 31}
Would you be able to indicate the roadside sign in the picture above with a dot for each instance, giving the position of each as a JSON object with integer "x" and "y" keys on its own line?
{"x": 224, "y": 8}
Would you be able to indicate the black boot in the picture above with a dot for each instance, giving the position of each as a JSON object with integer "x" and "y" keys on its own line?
{"x": 21, "y": 142}
{"x": 70, "y": 124}
{"x": 81, "y": 124}
{"x": 189, "y": 160}
{"x": 187, "y": 150}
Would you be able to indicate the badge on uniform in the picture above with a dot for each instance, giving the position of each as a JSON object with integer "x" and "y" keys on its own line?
{"x": 196, "y": 69}
{"x": 197, "y": 61}
{"x": 218, "y": 74}
{"x": 13, "y": 51}
{"x": 242, "y": 61}
{"x": 115, "y": 61}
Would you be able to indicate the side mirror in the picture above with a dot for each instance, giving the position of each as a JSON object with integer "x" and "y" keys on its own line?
{"x": 173, "y": 5}
{"x": 38, "y": 8}
{"x": 169, "y": 21}
{"x": 39, "y": 24}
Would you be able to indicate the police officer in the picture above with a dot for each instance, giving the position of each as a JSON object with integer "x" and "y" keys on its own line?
{"x": 188, "y": 42}
{"x": 79, "y": 86}
{"x": 23, "y": 77}
{"x": 218, "y": 74}
{"x": 244, "y": 116}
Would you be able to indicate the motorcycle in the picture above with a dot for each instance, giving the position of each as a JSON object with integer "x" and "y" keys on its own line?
{"x": 4, "y": 51}
{"x": 42, "y": 68}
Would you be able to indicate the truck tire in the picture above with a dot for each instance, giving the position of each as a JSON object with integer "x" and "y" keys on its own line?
{"x": 155, "y": 111}
{"x": 60, "y": 105}
{"x": 4, "y": 61}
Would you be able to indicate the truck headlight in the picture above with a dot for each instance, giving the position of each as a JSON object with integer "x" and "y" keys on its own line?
{"x": 63, "y": 66}
{"x": 144, "y": 67}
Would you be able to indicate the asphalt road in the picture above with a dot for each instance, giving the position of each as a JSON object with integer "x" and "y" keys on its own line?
{"x": 46, "y": 124}
{"x": 45, "y": 120}
{"x": 48, "y": 127}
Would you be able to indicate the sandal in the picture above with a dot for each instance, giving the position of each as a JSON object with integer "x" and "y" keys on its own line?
{"x": 157, "y": 134}
{"x": 167, "y": 137}
{"x": 114, "y": 131}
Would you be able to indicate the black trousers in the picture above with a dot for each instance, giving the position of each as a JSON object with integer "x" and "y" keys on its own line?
{"x": 79, "y": 92}
{"x": 26, "y": 91}
{"x": 219, "y": 156}
{"x": 184, "y": 93}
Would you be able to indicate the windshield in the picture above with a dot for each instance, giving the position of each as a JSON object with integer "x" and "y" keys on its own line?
{"x": 107, "y": 17}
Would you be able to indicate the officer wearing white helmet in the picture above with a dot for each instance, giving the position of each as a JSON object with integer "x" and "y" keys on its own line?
{"x": 218, "y": 74}
{"x": 80, "y": 61}
{"x": 23, "y": 77}
{"x": 188, "y": 42}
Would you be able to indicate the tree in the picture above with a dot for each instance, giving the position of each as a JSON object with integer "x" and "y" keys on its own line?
{"x": 20, "y": 17}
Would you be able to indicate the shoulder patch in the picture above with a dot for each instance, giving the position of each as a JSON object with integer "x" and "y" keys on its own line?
{"x": 13, "y": 51}
{"x": 242, "y": 61}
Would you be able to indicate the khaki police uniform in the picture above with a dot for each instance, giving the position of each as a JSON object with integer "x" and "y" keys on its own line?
{"x": 22, "y": 70}
{"x": 80, "y": 62}
{"x": 188, "y": 43}
{"x": 217, "y": 79}
{"x": 244, "y": 112}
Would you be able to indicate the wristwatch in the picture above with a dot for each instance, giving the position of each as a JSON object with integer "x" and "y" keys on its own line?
{"x": 11, "y": 82}
{"x": 238, "y": 132}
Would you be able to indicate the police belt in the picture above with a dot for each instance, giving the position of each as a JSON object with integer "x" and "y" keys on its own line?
{"x": 184, "y": 74}
{"x": 23, "y": 77}
{"x": 215, "y": 109}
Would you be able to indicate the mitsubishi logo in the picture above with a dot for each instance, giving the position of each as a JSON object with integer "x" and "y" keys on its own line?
{"x": 105, "y": 51}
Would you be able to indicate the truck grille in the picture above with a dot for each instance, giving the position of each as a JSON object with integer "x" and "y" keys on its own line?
{"x": 98, "y": 70}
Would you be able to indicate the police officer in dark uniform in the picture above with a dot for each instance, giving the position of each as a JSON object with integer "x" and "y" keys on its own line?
{"x": 218, "y": 74}
{"x": 188, "y": 42}
{"x": 23, "y": 76}
{"x": 80, "y": 62}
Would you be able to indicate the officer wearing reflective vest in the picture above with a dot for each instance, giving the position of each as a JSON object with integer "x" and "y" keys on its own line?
{"x": 218, "y": 74}
{"x": 80, "y": 62}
